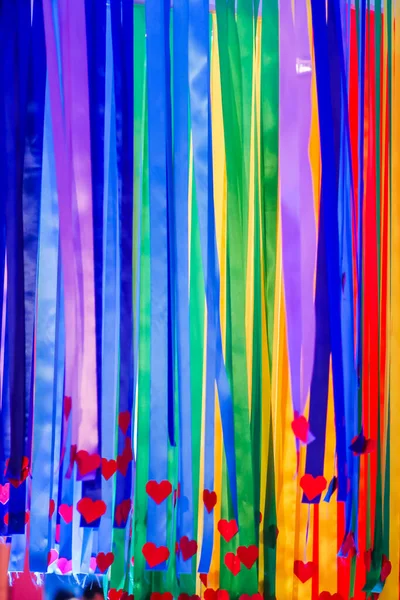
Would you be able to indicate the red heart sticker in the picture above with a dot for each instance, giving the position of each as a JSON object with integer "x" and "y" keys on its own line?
{"x": 24, "y": 472}
{"x": 66, "y": 512}
{"x": 304, "y": 571}
{"x": 125, "y": 458}
{"x": 248, "y": 555}
{"x": 312, "y": 486}
{"x": 386, "y": 568}
{"x": 203, "y": 578}
{"x": 155, "y": 555}
{"x": 64, "y": 565}
{"x": 300, "y": 428}
{"x": 164, "y": 596}
{"x": 104, "y": 561}
{"x": 87, "y": 463}
{"x": 52, "y": 508}
{"x": 158, "y": 491}
{"x": 124, "y": 420}
{"x": 52, "y": 557}
{"x": 232, "y": 562}
{"x": 67, "y": 406}
{"x": 114, "y": 594}
{"x": 91, "y": 510}
{"x": 209, "y": 499}
{"x": 108, "y": 468}
{"x": 4, "y": 493}
{"x": 188, "y": 547}
{"x": 228, "y": 529}
{"x": 122, "y": 512}
{"x": 211, "y": 594}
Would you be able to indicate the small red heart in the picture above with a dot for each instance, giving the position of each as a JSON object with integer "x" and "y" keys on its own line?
{"x": 188, "y": 547}
{"x": 125, "y": 596}
{"x": 312, "y": 486}
{"x": 87, "y": 463}
{"x": 158, "y": 491}
{"x": 211, "y": 594}
{"x": 114, "y": 594}
{"x": 253, "y": 597}
{"x": 232, "y": 562}
{"x": 155, "y": 555}
{"x": 24, "y": 472}
{"x": 52, "y": 556}
{"x": 228, "y": 529}
{"x": 125, "y": 458}
{"x": 329, "y": 596}
{"x": 300, "y": 428}
{"x": 52, "y": 508}
{"x": 122, "y": 512}
{"x": 64, "y": 565}
{"x": 104, "y": 561}
{"x": 386, "y": 568}
{"x": 124, "y": 420}
{"x": 91, "y": 510}
{"x": 164, "y": 596}
{"x": 67, "y": 406}
{"x": 203, "y": 578}
{"x": 4, "y": 493}
{"x": 209, "y": 499}
{"x": 248, "y": 555}
{"x": 66, "y": 512}
{"x": 304, "y": 571}
{"x": 108, "y": 468}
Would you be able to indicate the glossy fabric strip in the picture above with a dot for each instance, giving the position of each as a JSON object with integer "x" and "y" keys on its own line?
{"x": 157, "y": 132}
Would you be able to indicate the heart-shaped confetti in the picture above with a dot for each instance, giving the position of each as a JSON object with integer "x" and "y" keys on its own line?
{"x": 155, "y": 555}
{"x": 87, "y": 463}
{"x": 228, "y": 529}
{"x": 300, "y": 428}
{"x": 312, "y": 486}
{"x": 248, "y": 555}
{"x": 203, "y": 578}
{"x": 4, "y": 493}
{"x": 386, "y": 568}
{"x": 211, "y": 594}
{"x": 64, "y": 565}
{"x": 104, "y": 561}
{"x": 91, "y": 510}
{"x": 108, "y": 468}
{"x": 124, "y": 420}
{"x": 158, "y": 491}
{"x": 232, "y": 562}
{"x": 210, "y": 500}
{"x": 67, "y": 406}
{"x": 66, "y": 512}
{"x": 188, "y": 547}
{"x": 304, "y": 571}
{"x": 114, "y": 594}
{"x": 122, "y": 512}
{"x": 52, "y": 556}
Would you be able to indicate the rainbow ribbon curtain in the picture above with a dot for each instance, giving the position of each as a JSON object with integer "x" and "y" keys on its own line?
{"x": 200, "y": 296}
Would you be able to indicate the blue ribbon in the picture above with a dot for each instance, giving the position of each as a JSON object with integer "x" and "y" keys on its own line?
{"x": 199, "y": 86}
{"x": 330, "y": 208}
{"x": 157, "y": 137}
{"x": 181, "y": 243}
